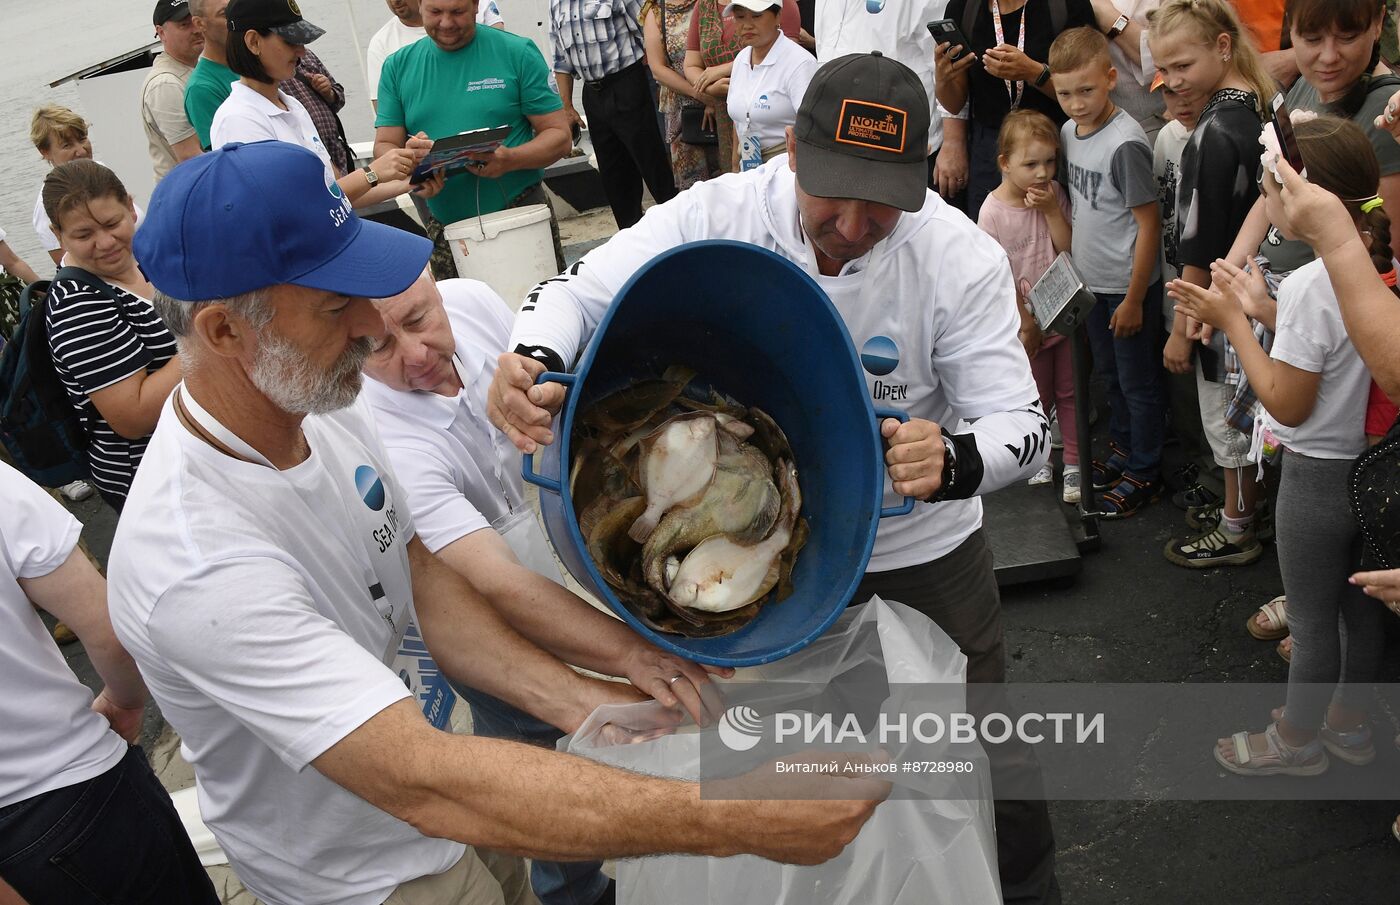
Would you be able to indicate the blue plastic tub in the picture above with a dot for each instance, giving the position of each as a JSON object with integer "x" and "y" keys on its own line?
{"x": 755, "y": 326}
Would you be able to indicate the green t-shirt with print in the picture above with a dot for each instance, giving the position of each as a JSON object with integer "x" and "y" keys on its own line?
{"x": 498, "y": 79}
{"x": 209, "y": 86}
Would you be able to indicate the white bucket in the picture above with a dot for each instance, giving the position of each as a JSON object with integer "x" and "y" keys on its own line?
{"x": 187, "y": 806}
{"x": 510, "y": 250}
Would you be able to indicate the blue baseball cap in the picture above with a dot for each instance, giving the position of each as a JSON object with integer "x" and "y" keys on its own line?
{"x": 249, "y": 216}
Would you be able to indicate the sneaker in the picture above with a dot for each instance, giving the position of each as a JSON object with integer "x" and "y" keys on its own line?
{"x": 1201, "y": 519}
{"x": 1070, "y": 493}
{"x": 1046, "y": 475}
{"x": 1205, "y": 518}
{"x": 1196, "y": 496}
{"x": 1128, "y": 497}
{"x": 1057, "y": 439}
{"x": 76, "y": 491}
{"x": 1214, "y": 548}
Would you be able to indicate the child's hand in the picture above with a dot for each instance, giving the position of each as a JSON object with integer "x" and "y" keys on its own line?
{"x": 1042, "y": 199}
{"x": 1126, "y": 320}
{"x": 1209, "y": 306}
{"x": 1248, "y": 286}
{"x": 1176, "y": 357}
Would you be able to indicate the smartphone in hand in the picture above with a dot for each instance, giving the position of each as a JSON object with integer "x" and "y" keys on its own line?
{"x": 946, "y": 31}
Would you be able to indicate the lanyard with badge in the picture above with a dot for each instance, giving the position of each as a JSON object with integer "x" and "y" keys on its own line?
{"x": 208, "y": 429}
{"x": 1014, "y": 95}
{"x": 750, "y": 150}
{"x": 517, "y": 526}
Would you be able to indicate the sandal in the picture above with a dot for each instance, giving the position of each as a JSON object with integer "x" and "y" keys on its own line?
{"x": 1280, "y": 758}
{"x": 1285, "y": 649}
{"x": 1107, "y": 474}
{"x": 1354, "y": 746}
{"x": 1270, "y": 621}
{"x": 1129, "y": 496}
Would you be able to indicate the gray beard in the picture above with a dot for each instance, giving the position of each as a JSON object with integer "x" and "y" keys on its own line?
{"x": 285, "y": 376}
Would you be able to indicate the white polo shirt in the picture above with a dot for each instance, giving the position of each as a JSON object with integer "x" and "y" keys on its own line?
{"x": 763, "y": 99}
{"x": 51, "y": 738}
{"x": 461, "y": 473}
{"x": 262, "y": 606}
{"x": 247, "y": 116}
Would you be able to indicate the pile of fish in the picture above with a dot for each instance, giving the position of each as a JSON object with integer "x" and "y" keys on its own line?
{"x": 689, "y": 504}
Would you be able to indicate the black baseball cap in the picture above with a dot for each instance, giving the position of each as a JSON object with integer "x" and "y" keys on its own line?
{"x": 170, "y": 10}
{"x": 280, "y": 16}
{"x": 863, "y": 129}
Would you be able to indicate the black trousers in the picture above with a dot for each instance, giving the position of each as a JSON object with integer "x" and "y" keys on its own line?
{"x": 113, "y": 838}
{"x": 959, "y": 593}
{"x": 622, "y": 122}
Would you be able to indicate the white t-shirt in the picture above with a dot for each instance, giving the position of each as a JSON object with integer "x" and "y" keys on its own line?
{"x": 247, "y": 116}
{"x": 47, "y": 240}
{"x": 1310, "y": 336}
{"x": 1166, "y": 166}
{"x": 461, "y": 473}
{"x": 941, "y": 306}
{"x": 896, "y": 29}
{"x": 763, "y": 99}
{"x": 390, "y": 37}
{"x": 261, "y": 605}
{"x": 488, "y": 14}
{"x": 51, "y": 737}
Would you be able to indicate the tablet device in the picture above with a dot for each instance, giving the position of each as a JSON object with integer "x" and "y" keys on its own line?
{"x": 452, "y": 155}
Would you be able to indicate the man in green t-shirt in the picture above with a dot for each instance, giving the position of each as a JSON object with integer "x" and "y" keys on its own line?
{"x": 211, "y": 81}
{"x": 466, "y": 78}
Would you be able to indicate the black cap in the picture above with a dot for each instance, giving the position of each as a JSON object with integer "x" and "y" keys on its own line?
{"x": 280, "y": 16}
{"x": 170, "y": 10}
{"x": 863, "y": 131}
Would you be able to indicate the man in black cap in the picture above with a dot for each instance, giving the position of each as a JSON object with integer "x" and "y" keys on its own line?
{"x": 168, "y": 130}
{"x": 929, "y": 301}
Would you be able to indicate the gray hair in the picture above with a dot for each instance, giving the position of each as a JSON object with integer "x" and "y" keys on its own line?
{"x": 178, "y": 315}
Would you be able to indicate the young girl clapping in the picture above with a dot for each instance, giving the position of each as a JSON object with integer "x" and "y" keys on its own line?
{"x": 1313, "y": 386}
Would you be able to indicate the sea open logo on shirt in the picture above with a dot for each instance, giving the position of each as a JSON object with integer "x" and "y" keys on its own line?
{"x": 762, "y": 103}
{"x": 872, "y": 125}
{"x": 880, "y": 356}
{"x": 370, "y": 487}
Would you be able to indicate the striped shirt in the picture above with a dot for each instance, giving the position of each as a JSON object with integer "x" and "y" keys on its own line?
{"x": 593, "y": 39}
{"x": 95, "y": 345}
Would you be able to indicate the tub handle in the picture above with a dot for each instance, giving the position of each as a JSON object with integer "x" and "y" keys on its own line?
{"x": 908, "y": 505}
{"x": 527, "y": 462}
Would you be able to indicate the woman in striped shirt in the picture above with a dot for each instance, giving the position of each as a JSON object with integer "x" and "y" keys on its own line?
{"x": 110, "y": 348}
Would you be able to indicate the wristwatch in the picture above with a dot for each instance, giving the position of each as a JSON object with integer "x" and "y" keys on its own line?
{"x": 370, "y": 176}
{"x": 1044, "y": 77}
{"x": 1117, "y": 27}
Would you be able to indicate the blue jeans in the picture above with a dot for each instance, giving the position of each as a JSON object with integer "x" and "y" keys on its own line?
{"x": 1132, "y": 368}
{"x": 113, "y": 838}
{"x": 554, "y": 882}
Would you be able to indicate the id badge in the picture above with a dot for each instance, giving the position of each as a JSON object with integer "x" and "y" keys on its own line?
{"x": 522, "y": 533}
{"x": 750, "y": 153}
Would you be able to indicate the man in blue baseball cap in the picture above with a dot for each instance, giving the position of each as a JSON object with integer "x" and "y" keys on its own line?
{"x": 267, "y": 578}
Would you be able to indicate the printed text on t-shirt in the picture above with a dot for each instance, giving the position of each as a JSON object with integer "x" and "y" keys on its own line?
{"x": 1086, "y": 183}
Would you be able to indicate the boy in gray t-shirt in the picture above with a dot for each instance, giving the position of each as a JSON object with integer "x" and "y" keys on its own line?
{"x": 1117, "y": 248}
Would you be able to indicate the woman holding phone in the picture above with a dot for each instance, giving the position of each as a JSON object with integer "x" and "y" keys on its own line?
{"x": 1005, "y": 69}
{"x": 264, "y": 53}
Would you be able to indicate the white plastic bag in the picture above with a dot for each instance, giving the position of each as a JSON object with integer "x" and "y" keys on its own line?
{"x": 911, "y": 852}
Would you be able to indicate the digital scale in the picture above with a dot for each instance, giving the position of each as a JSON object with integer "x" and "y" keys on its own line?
{"x": 1031, "y": 535}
